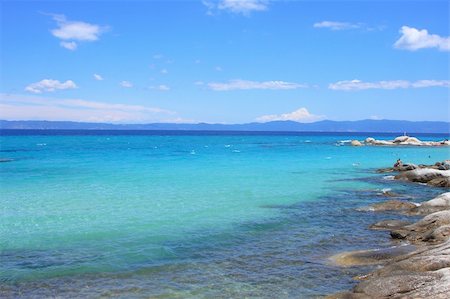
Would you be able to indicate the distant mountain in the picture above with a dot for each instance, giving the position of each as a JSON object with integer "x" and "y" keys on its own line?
{"x": 381, "y": 126}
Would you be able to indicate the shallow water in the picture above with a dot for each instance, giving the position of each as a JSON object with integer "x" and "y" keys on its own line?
{"x": 195, "y": 215}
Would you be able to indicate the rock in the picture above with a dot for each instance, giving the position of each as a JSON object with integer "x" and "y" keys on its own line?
{"x": 422, "y": 175}
{"x": 440, "y": 234}
{"x": 406, "y": 140}
{"x": 423, "y": 229}
{"x": 411, "y": 141}
{"x": 347, "y": 295}
{"x": 2, "y": 160}
{"x": 404, "y": 167}
{"x": 421, "y": 274}
{"x": 384, "y": 170}
{"x": 392, "y": 205}
{"x": 356, "y": 143}
{"x": 389, "y": 194}
{"x": 389, "y": 286}
{"x": 400, "y": 139}
{"x": 445, "y": 165}
{"x": 442, "y": 200}
{"x": 382, "y": 142}
{"x": 424, "y": 273}
{"x": 439, "y": 203}
{"x": 440, "y": 182}
{"x": 369, "y": 257}
{"x": 389, "y": 225}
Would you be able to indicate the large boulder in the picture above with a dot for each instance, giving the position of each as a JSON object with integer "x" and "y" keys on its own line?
{"x": 420, "y": 231}
{"x": 356, "y": 143}
{"x": 422, "y": 175}
{"x": 442, "y": 200}
{"x": 440, "y": 182}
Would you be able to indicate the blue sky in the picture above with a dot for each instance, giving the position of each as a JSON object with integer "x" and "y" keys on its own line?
{"x": 227, "y": 61}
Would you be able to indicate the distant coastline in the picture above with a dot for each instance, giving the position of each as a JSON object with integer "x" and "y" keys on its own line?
{"x": 360, "y": 126}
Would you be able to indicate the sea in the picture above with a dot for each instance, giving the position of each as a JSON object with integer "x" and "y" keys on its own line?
{"x": 191, "y": 214}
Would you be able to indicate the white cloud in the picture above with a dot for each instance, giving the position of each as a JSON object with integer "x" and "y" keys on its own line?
{"x": 49, "y": 85}
{"x": 413, "y": 39}
{"x": 218, "y": 69}
{"x": 164, "y": 71}
{"x": 244, "y": 7}
{"x": 395, "y": 84}
{"x": 161, "y": 87}
{"x": 21, "y": 107}
{"x": 158, "y": 56}
{"x": 246, "y": 85}
{"x": 71, "y": 31}
{"x": 299, "y": 115}
{"x": 98, "y": 77}
{"x": 126, "y": 84}
{"x": 337, "y": 25}
{"x": 69, "y": 45}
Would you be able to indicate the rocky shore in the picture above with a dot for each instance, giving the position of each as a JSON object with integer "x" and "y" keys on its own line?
{"x": 419, "y": 265}
{"x": 401, "y": 140}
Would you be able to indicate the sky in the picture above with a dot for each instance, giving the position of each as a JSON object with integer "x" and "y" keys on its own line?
{"x": 225, "y": 61}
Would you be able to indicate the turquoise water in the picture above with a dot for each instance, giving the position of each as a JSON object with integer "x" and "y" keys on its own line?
{"x": 195, "y": 215}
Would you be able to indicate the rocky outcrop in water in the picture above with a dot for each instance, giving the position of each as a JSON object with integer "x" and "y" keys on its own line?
{"x": 422, "y": 273}
{"x": 401, "y": 140}
{"x": 430, "y": 176}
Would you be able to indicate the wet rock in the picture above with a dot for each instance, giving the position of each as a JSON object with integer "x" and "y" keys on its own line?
{"x": 369, "y": 257}
{"x": 390, "y": 194}
{"x": 392, "y": 205}
{"x": 384, "y": 170}
{"x": 389, "y": 225}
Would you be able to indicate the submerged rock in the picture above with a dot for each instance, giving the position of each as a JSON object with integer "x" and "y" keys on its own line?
{"x": 369, "y": 257}
{"x": 389, "y": 225}
{"x": 391, "y": 205}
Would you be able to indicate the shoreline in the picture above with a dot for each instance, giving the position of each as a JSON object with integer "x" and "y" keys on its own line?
{"x": 419, "y": 267}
